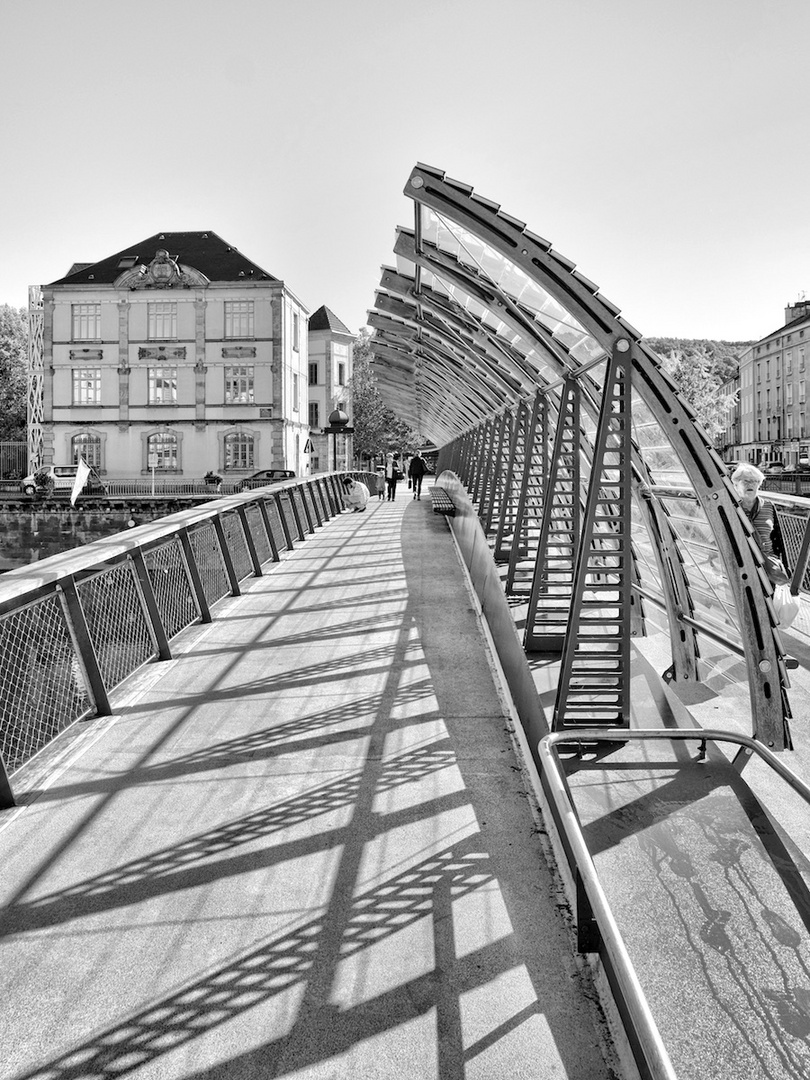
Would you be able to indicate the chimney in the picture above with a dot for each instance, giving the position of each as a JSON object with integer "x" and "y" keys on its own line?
{"x": 800, "y": 309}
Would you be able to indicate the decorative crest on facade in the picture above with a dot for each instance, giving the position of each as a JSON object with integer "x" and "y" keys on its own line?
{"x": 163, "y": 272}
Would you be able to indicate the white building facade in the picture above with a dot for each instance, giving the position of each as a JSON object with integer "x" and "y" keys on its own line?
{"x": 772, "y": 419}
{"x": 329, "y": 375}
{"x": 177, "y": 354}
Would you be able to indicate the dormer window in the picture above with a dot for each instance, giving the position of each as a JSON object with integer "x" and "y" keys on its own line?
{"x": 126, "y": 262}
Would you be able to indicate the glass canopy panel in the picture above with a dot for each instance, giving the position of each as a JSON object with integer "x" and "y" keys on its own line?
{"x": 646, "y": 564}
{"x": 491, "y": 321}
{"x": 656, "y": 450}
{"x": 513, "y": 282}
{"x": 405, "y": 266}
{"x": 709, "y": 588}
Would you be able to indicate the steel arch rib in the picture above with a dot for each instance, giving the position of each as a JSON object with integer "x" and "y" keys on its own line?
{"x": 558, "y": 277}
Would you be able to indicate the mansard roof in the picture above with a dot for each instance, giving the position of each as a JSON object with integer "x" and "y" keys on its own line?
{"x": 325, "y": 319}
{"x": 204, "y": 251}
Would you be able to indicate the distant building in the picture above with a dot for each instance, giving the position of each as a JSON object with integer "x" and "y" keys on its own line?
{"x": 771, "y": 417}
{"x": 177, "y": 353}
{"x": 331, "y": 345}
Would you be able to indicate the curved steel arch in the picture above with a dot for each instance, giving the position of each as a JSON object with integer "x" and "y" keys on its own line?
{"x": 513, "y": 278}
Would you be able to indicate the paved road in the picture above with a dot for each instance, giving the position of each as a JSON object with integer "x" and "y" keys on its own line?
{"x": 300, "y": 848}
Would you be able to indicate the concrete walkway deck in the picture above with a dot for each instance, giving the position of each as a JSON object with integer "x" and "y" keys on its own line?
{"x": 301, "y": 848}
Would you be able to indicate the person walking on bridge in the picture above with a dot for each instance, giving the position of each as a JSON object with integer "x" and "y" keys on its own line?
{"x": 747, "y": 479}
{"x": 391, "y": 476}
{"x": 416, "y": 470}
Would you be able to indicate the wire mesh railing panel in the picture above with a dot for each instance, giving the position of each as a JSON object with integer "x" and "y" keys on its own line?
{"x": 116, "y": 621}
{"x": 276, "y": 528}
{"x": 793, "y": 527}
{"x": 289, "y": 516}
{"x": 171, "y": 586}
{"x": 210, "y": 564}
{"x": 42, "y": 688}
{"x": 258, "y": 534}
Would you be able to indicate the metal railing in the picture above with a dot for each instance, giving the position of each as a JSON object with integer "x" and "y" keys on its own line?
{"x": 596, "y": 924}
{"x": 76, "y": 625}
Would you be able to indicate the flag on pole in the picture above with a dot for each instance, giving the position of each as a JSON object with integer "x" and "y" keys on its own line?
{"x": 82, "y": 472}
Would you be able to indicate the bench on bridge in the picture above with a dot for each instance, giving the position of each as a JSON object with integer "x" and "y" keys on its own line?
{"x": 442, "y": 503}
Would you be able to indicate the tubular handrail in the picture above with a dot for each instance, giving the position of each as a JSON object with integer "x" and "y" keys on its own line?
{"x": 657, "y": 1063}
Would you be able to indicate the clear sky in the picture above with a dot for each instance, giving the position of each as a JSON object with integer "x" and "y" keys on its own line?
{"x": 664, "y": 145}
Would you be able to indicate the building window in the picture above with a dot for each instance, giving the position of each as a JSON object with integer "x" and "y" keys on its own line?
{"x": 296, "y": 331}
{"x": 87, "y": 447}
{"x": 340, "y": 355}
{"x": 238, "y": 318}
{"x": 162, "y": 386}
{"x": 87, "y": 386}
{"x": 789, "y": 362}
{"x": 162, "y": 322}
{"x": 295, "y": 393}
{"x": 239, "y": 385}
{"x": 314, "y": 414}
{"x": 801, "y": 358}
{"x": 86, "y": 322}
{"x": 313, "y": 374}
{"x": 789, "y": 394}
{"x": 161, "y": 452}
{"x": 801, "y": 391}
{"x": 238, "y": 451}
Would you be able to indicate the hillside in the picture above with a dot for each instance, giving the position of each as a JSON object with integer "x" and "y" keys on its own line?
{"x": 718, "y": 358}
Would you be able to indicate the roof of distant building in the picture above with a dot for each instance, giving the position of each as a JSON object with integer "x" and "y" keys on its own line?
{"x": 325, "y": 319}
{"x": 204, "y": 251}
{"x": 801, "y": 320}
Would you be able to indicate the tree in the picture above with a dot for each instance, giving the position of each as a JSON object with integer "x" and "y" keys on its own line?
{"x": 13, "y": 373}
{"x": 377, "y": 428}
{"x": 699, "y": 367}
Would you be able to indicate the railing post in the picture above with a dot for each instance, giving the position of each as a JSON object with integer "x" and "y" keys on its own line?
{"x": 307, "y": 514}
{"x": 6, "y": 794}
{"x": 271, "y": 540}
{"x": 196, "y": 580}
{"x": 230, "y": 570}
{"x": 251, "y": 546}
{"x": 145, "y": 582}
{"x": 296, "y": 515}
{"x": 312, "y": 498}
{"x": 83, "y": 643}
{"x": 284, "y": 526}
{"x": 319, "y": 487}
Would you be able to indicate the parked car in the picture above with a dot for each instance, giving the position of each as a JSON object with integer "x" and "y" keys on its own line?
{"x": 60, "y": 478}
{"x": 772, "y": 466}
{"x": 265, "y": 476}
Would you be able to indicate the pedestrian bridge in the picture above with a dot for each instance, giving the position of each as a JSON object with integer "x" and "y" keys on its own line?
{"x": 275, "y": 813}
{"x": 519, "y": 791}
